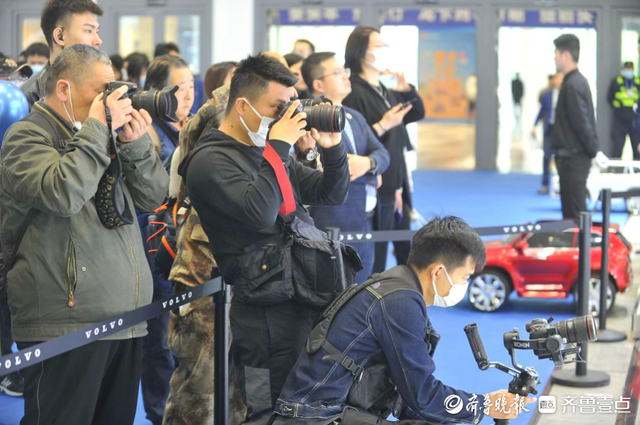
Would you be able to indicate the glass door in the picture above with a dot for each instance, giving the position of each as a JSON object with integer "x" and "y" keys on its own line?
{"x": 525, "y": 63}
{"x": 436, "y": 49}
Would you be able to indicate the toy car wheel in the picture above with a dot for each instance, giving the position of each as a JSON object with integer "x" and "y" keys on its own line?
{"x": 594, "y": 295}
{"x": 489, "y": 290}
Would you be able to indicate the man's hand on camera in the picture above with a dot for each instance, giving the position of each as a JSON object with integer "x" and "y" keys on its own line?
{"x": 137, "y": 127}
{"x": 325, "y": 140}
{"x": 290, "y": 128}
{"x": 506, "y": 407}
{"x": 358, "y": 165}
{"x": 120, "y": 108}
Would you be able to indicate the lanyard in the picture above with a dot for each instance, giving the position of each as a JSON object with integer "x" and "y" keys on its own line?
{"x": 380, "y": 93}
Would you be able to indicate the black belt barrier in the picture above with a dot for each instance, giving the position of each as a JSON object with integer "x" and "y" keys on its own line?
{"x": 73, "y": 340}
{"x": 407, "y": 235}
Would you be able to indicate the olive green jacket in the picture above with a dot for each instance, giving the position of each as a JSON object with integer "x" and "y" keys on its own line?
{"x": 70, "y": 272}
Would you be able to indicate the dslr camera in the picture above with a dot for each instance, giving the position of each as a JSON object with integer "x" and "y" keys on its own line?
{"x": 326, "y": 119}
{"x": 160, "y": 104}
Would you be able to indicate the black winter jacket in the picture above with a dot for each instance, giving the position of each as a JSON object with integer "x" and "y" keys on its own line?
{"x": 574, "y": 130}
{"x": 368, "y": 102}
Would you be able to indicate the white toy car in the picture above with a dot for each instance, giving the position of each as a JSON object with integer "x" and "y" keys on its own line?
{"x": 617, "y": 175}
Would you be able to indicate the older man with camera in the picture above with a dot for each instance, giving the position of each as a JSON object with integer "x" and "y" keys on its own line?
{"x": 71, "y": 263}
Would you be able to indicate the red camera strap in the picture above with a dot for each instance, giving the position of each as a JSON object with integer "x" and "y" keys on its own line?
{"x": 289, "y": 202}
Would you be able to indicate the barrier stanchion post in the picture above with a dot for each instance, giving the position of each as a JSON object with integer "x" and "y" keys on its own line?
{"x": 582, "y": 378}
{"x": 221, "y": 357}
{"x": 604, "y": 334}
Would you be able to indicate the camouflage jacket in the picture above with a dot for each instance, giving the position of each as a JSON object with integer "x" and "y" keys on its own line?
{"x": 194, "y": 261}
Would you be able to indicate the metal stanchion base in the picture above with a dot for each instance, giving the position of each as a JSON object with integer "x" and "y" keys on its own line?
{"x": 608, "y": 335}
{"x": 568, "y": 378}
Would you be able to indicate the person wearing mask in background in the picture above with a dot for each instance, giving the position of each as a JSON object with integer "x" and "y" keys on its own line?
{"x": 547, "y": 113}
{"x": 64, "y": 23}
{"x": 367, "y": 55}
{"x": 573, "y": 139}
{"x": 294, "y": 62}
{"x": 117, "y": 64}
{"x": 166, "y": 71}
{"x": 384, "y": 324}
{"x": 200, "y": 94}
{"x": 623, "y": 96}
{"x": 218, "y": 75}
{"x": 136, "y": 65}
{"x": 158, "y": 363}
{"x": 368, "y": 158}
{"x": 37, "y": 56}
{"x": 303, "y": 48}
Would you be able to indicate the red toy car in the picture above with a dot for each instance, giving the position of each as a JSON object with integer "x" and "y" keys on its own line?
{"x": 545, "y": 265}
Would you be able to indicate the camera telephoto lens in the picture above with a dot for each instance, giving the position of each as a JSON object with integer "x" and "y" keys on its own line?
{"x": 578, "y": 329}
{"x": 325, "y": 119}
{"x": 160, "y": 104}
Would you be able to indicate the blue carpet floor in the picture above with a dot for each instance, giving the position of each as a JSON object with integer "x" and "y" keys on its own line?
{"x": 482, "y": 199}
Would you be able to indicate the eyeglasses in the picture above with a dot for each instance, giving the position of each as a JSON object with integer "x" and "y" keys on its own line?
{"x": 338, "y": 72}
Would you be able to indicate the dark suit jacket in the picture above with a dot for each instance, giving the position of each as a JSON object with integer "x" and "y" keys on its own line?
{"x": 350, "y": 215}
{"x": 546, "y": 105}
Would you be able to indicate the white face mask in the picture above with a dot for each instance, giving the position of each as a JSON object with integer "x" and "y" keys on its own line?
{"x": 627, "y": 73}
{"x": 77, "y": 125}
{"x": 258, "y": 138}
{"x": 36, "y": 68}
{"x": 456, "y": 293}
{"x": 382, "y": 58}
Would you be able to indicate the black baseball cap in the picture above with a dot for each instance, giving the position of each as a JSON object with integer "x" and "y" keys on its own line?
{"x": 8, "y": 66}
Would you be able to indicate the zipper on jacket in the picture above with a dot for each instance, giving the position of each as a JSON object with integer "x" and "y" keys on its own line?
{"x": 72, "y": 274}
{"x": 133, "y": 256}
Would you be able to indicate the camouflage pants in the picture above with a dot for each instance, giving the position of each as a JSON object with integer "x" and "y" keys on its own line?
{"x": 190, "y": 399}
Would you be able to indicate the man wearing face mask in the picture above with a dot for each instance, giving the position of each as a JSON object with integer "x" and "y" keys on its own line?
{"x": 623, "y": 96}
{"x": 65, "y": 270}
{"x": 246, "y": 189}
{"x": 377, "y": 337}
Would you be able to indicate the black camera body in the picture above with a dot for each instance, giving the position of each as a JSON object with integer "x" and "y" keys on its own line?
{"x": 160, "y": 104}
{"x": 326, "y": 119}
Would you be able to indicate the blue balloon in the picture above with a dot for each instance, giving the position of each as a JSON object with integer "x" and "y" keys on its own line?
{"x": 13, "y": 106}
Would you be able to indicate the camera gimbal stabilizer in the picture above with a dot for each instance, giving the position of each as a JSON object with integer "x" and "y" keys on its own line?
{"x": 547, "y": 342}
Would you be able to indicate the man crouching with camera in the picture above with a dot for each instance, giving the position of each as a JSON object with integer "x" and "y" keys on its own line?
{"x": 66, "y": 270}
{"x": 372, "y": 354}
{"x": 250, "y": 196}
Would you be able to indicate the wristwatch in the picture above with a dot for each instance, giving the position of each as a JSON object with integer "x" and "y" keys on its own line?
{"x": 309, "y": 155}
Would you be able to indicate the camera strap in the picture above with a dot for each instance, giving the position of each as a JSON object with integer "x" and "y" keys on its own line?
{"x": 105, "y": 198}
{"x": 289, "y": 203}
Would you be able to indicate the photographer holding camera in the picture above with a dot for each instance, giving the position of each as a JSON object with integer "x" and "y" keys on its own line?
{"x": 164, "y": 71}
{"x": 249, "y": 194}
{"x": 66, "y": 269}
{"x": 376, "y": 345}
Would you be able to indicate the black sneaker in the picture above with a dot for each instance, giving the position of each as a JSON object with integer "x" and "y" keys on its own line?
{"x": 12, "y": 384}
